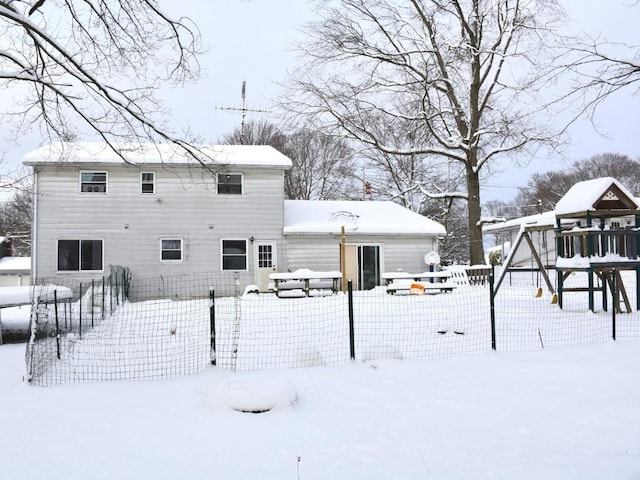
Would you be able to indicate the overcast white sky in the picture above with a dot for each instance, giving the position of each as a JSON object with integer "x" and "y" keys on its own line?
{"x": 250, "y": 39}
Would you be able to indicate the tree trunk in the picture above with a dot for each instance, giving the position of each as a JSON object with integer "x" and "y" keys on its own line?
{"x": 476, "y": 248}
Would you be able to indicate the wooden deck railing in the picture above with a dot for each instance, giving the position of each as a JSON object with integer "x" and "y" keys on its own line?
{"x": 588, "y": 242}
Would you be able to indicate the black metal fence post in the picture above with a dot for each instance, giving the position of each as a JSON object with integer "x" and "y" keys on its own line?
{"x": 80, "y": 308}
{"x": 102, "y": 301}
{"x": 79, "y": 323}
{"x": 110, "y": 294}
{"x": 615, "y": 302}
{"x": 55, "y": 307}
{"x": 92, "y": 297}
{"x": 352, "y": 340}
{"x": 117, "y": 292}
{"x": 212, "y": 320}
{"x": 492, "y": 308}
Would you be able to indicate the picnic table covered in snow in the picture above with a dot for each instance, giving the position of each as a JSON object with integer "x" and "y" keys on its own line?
{"x": 305, "y": 280}
{"x": 438, "y": 281}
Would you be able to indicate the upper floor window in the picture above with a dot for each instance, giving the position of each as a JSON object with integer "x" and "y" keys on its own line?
{"x": 148, "y": 182}
{"x": 234, "y": 254}
{"x": 171, "y": 249}
{"x": 230, "y": 183}
{"x": 79, "y": 255}
{"x": 93, "y": 182}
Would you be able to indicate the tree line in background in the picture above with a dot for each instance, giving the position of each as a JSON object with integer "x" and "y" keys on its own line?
{"x": 543, "y": 190}
{"x": 417, "y": 99}
{"x": 329, "y": 168}
{"x": 16, "y": 214}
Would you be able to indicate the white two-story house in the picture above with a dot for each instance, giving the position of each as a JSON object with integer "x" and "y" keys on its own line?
{"x": 160, "y": 213}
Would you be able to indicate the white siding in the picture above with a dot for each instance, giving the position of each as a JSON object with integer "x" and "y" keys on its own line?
{"x": 322, "y": 252}
{"x": 131, "y": 224}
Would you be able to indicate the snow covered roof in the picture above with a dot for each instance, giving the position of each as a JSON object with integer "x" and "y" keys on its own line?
{"x": 366, "y": 217}
{"x": 538, "y": 221}
{"x": 591, "y": 195}
{"x": 149, "y": 154}
{"x": 15, "y": 264}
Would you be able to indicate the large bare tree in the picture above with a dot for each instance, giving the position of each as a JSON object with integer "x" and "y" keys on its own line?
{"x": 16, "y": 215}
{"x": 465, "y": 73}
{"x": 603, "y": 67}
{"x": 545, "y": 189}
{"x": 93, "y": 66}
{"x": 323, "y": 165}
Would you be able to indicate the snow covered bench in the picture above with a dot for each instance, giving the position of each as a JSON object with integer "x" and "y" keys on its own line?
{"x": 410, "y": 286}
{"x": 438, "y": 281}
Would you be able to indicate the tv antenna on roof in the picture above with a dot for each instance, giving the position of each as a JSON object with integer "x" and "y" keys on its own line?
{"x": 243, "y": 109}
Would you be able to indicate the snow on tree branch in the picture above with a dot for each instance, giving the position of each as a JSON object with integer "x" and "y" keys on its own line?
{"x": 92, "y": 68}
{"x": 467, "y": 75}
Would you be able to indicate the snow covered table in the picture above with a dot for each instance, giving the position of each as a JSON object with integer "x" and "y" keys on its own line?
{"x": 305, "y": 281}
{"x": 438, "y": 281}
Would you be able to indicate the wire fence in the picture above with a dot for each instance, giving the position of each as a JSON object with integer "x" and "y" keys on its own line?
{"x": 123, "y": 328}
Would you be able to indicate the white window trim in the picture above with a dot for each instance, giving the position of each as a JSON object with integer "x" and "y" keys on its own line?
{"x": 230, "y": 173}
{"x": 106, "y": 182}
{"x": 246, "y": 263}
{"x": 75, "y": 272}
{"x": 154, "y": 183}
{"x": 181, "y": 250}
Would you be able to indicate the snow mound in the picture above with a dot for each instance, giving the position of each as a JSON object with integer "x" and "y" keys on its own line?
{"x": 255, "y": 393}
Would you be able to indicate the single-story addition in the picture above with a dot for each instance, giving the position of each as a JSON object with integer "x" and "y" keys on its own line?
{"x": 161, "y": 213}
{"x": 376, "y": 237}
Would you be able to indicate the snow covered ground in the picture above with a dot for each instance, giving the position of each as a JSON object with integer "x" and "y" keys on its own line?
{"x": 561, "y": 414}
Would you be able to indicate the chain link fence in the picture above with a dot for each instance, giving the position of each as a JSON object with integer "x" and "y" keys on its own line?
{"x": 158, "y": 327}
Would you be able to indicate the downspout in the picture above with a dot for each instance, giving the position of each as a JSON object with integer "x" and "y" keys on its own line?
{"x": 34, "y": 227}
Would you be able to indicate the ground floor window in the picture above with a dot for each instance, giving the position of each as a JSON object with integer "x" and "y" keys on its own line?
{"x": 234, "y": 254}
{"x": 79, "y": 255}
{"x": 171, "y": 249}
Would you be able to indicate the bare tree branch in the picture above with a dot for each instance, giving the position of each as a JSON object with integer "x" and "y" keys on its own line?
{"x": 466, "y": 74}
{"x": 92, "y": 67}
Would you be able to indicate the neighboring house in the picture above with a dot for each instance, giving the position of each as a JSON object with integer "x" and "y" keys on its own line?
{"x": 14, "y": 271}
{"x": 161, "y": 214}
{"x": 540, "y": 228}
{"x": 378, "y": 236}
